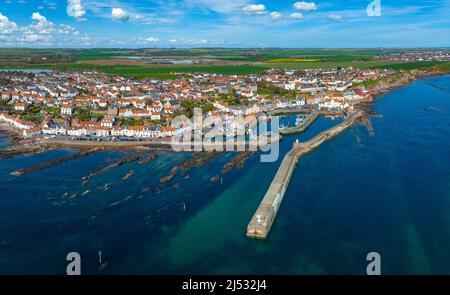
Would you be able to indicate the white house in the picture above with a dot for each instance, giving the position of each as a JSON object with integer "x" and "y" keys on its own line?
{"x": 20, "y": 106}
{"x": 66, "y": 109}
{"x": 77, "y": 131}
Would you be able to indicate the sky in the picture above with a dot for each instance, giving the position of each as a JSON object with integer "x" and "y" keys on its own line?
{"x": 224, "y": 23}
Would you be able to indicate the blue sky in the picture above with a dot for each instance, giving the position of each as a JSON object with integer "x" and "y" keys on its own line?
{"x": 226, "y": 23}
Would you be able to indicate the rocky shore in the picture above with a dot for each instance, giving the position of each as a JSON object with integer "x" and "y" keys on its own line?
{"x": 237, "y": 162}
{"x": 198, "y": 160}
{"x": 399, "y": 80}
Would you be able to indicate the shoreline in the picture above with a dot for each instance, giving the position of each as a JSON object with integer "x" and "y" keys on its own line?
{"x": 9, "y": 133}
{"x": 406, "y": 78}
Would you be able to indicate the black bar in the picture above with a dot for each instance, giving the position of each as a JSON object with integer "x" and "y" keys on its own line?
{"x": 226, "y": 284}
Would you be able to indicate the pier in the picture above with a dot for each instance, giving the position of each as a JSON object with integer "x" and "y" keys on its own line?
{"x": 264, "y": 217}
{"x": 310, "y": 118}
{"x": 262, "y": 220}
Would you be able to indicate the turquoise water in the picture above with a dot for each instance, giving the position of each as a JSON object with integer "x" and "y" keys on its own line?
{"x": 388, "y": 192}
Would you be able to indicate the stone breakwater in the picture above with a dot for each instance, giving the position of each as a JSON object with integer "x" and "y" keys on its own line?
{"x": 54, "y": 162}
{"x": 311, "y": 118}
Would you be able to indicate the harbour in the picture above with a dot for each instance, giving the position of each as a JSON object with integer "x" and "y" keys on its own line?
{"x": 305, "y": 122}
{"x": 264, "y": 217}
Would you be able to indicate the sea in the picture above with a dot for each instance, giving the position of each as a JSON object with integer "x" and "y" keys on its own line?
{"x": 384, "y": 191}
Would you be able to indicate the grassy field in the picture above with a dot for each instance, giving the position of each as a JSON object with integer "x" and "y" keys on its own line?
{"x": 411, "y": 65}
{"x": 96, "y": 54}
{"x": 163, "y": 72}
{"x": 332, "y": 64}
{"x": 445, "y": 67}
{"x": 292, "y": 60}
{"x": 378, "y": 64}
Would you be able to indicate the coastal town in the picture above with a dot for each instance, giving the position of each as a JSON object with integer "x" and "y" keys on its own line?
{"x": 80, "y": 106}
{"x": 416, "y": 56}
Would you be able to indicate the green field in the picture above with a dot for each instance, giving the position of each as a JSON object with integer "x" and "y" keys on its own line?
{"x": 327, "y": 64}
{"x": 411, "y": 65}
{"x": 164, "y": 72}
{"x": 293, "y": 60}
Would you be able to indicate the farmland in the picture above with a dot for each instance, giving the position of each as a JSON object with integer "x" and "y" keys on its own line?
{"x": 132, "y": 63}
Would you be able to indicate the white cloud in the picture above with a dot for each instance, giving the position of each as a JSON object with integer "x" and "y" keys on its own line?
{"x": 34, "y": 38}
{"x": 119, "y": 14}
{"x": 194, "y": 41}
{"x": 38, "y": 17}
{"x": 152, "y": 40}
{"x": 276, "y": 16}
{"x": 76, "y": 10}
{"x": 334, "y": 17}
{"x": 6, "y": 26}
{"x": 41, "y": 25}
{"x": 41, "y": 32}
{"x": 255, "y": 9}
{"x": 305, "y": 6}
{"x": 85, "y": 40}
{"x": 189, "y": 41}
{"x": 136, "y": 41}
{"x": 296, "y": 15}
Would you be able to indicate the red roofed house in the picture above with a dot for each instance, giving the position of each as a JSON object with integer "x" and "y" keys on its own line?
{"x": 20, "y": 106}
